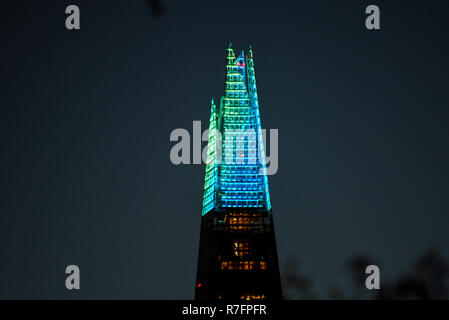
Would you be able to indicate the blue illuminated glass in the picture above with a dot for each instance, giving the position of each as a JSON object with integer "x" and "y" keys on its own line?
{"x": 236, "y": 178}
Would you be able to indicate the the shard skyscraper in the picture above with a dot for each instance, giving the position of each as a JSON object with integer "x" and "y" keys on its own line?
{"x": 237, "y": 255}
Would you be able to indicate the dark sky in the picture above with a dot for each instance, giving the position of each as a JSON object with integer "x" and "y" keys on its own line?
{"x": 86, "y": 177}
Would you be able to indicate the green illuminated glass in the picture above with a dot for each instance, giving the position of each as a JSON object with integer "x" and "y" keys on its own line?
{"x": 236, "y": 177}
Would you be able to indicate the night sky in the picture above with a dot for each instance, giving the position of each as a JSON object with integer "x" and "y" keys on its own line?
{"x": 85, "y": 172}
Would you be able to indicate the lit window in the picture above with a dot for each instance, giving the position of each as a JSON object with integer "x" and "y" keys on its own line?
{"x": 253, "y": 296}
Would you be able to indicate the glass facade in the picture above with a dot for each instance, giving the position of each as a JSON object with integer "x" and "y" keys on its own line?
{"x": 235, "y": 170}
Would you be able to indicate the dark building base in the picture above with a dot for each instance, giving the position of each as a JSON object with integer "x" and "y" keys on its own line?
{"x": 238, "y": 257}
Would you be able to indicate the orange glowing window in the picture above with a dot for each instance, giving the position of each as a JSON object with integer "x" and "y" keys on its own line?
{"x": 241, "y": 248}
{"x": 252, "y": 296}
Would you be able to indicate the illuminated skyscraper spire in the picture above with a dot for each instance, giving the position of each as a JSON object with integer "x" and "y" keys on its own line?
{"x": 240, "y": 178}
